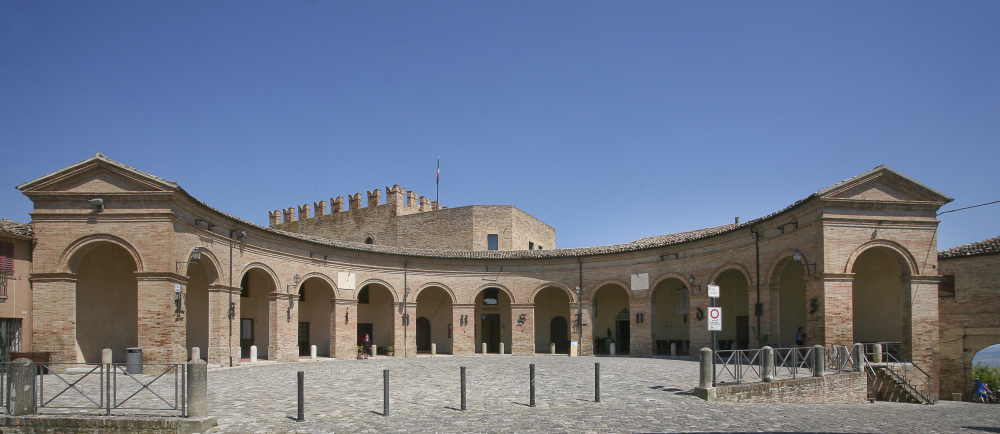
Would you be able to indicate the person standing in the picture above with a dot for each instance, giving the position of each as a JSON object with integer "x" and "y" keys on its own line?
{"x": 800, "y": 337}
{"x": 980, "y": 391}
{"x": 367, "y": 345}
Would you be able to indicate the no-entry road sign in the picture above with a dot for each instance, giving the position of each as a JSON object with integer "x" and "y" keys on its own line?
{"x": 715, "y": 319}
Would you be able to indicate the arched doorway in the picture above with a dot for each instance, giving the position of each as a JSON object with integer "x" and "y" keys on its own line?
{"x": 671, "y": 324}
{"x": 493, "y": 320}
{"x": 877, "y": 297}
{"x": 375, "y": 315}
{"x": 315, "y": 311}
{"x": 611, "y": 320}
{"x": 551, "y": 311}
{"x": 434, "y": 308}
{"x": 735, "y": 303}
{"x": 107, "y": 303}
{"x": 792, "y": 312}
{"x": 196, "y": 308}
{"x": 256, "y": 287}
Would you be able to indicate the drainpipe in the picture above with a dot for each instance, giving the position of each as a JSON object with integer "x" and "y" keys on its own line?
{"x": 406, "y": 292}
{"x": 758, "y": 308}
{"x": 579, "y": 311}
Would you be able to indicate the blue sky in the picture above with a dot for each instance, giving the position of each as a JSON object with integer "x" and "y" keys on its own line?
{"x": 610, "y": 121}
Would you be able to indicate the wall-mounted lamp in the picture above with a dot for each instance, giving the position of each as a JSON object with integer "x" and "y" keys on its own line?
{"x": 756, "y": 235}
{"x": 238, "y": 233}
{"x": 210, "y": 224}
{"x": 782, "y": 227}
{"x": 675, "y": 255}
{"x": 313, "y": 255}
{"x": 97, "y": 203}
{"x": 295, "y": 282}
{"x": 178, "y": 301}
{"x": 693, "y": 286}
{"x": 801, "y": 259}
{"x": 195, "y": 257}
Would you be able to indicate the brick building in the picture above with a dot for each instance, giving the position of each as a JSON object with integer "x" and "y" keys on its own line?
{"x": 15, "y": 291}
{"x": 114, "y": 268}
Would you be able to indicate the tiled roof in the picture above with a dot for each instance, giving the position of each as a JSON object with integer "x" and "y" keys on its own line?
{"x": 984, "y": 247}
{"x": 16, "y": 228}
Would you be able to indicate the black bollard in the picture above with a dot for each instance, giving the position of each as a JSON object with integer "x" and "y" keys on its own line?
{"x": 532, "y": 403}
{"x": 385, "y": 393}
{"x": 463, "y": 389}
{"x": 302, "y": 397}
{"x": 597, "y": 382}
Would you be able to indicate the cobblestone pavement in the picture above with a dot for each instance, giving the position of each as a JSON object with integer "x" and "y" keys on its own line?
{"x": 637, "y": 394}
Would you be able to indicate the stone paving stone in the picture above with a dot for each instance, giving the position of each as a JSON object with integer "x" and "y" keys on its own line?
{"x": 638, "y": 395}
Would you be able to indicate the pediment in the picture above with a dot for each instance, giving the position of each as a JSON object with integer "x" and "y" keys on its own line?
{"x": 98, "y": 175}
{"x": 884, "y": 185}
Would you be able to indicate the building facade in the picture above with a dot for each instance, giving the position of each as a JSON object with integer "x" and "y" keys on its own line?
{"x": 113, "y": 268}
{"x": 15, "y": 289}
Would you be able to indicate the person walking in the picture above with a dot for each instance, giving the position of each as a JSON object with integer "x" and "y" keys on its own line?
{"x": 980, "y": 391}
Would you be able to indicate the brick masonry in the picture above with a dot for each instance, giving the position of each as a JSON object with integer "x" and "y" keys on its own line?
{"x": 845, "y": 388}
{"x": 158, "y": 224}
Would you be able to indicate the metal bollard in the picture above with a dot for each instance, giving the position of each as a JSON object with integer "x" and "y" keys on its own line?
{"x": 463, "y": 389}
{"x": 532, "y": 403}
{"x": 302, "y": 396}
{"x": 385, "y": 392}
{"x": 597, "y": 382}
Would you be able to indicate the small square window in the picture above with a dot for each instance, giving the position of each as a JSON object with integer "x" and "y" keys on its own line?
{"x": 531, "y": 245}
{"x": 492, "y": 242}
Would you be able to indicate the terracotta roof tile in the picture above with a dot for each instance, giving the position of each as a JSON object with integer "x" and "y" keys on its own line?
{"x": 984, "y": 247}
{"x": 16, "y": 228}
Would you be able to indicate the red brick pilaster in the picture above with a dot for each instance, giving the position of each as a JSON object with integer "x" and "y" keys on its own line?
{"x": 523, "y": 331}
{"x": 344, "y": 324}
{"x": 920, "y": 325}
{"x": 223, "y": 332}
{"x": 830, "y": 309}
{"x": 641, "y": 333}
{"x": 283, "y": 333}
{"x": 464, "y": 336}
{"x": 162, "y": 330}
{"x": 54, "y": 310}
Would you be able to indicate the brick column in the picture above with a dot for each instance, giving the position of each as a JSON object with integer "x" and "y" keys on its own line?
{"x": 640, "y": 333}
{"x": 523, "y": 332}
{"x": 53, "y": 307}
{"x": 464, "y": 337}
{"x": 162, "y": 331}
{"x": 283, "y": 333}
{"x": 223, "y": 333}
{"x": 920, "y": 325}
{"x": 832, "y": 323}
{"x": 586, "y": 341}
{"x": 344, "y": 329}
{"x": 405, "y": 338}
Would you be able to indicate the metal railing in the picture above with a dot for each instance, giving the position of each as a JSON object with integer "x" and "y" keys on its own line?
{"x": 910, "y": 376}
{"x": 63, "y": 387}
{"x": 747, "y": 366}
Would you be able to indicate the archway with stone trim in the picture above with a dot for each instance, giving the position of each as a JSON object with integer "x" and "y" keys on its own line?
{"x": 434, "y": 320}
{"x": 877, "y": 302}
{"x": 612, "y": 319}
{"x": 315, "y": 304}
{"x": 493, "y": 320}
{"x": 196, "y": 305}
{"x": 671, "y": 316}
{"x": 256, "y": 287}
{"x": 552, "y": 316}
{"x": 376, "y": 315}
{"x": 788, "y": 296}
{"x": 106, "y": 302}
{"x": 734, "y": 299}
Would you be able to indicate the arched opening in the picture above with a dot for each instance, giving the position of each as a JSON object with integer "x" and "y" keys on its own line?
{"x": 551, "y": 304}
{"x": 735, "y": 303}
{"x": 196, "y": 308}
{"x": 107, "y": 303}
{"x": 375, "y": 315}
{"x": 877, "y": 297}
{"x": 792, "y": 310}
{"x": 671, "y": 324}
{"x": 369, "y": 240}
{"x": 434, "y": 308}
{"x": 255, "y": 291}
{"x": 315, "y": 310}
{"x": 985, "y": 366}
{"x": 611, "y": 320}
{"x": 493, "y": 320}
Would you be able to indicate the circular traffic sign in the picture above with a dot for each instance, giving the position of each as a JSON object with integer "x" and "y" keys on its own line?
{"x": 714, "y": 313}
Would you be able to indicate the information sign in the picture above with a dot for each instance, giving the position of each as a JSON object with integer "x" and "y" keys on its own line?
{"x": 715, "y": 319}
{"x": 713, "y": 290}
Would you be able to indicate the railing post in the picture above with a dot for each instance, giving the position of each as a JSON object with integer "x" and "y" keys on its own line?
{"x": 532, "y": 397}
{"x": 22, "y": 387}
{"x": 108, "y": 367}
{"x": 819, "y": 361}
{"x": 197, "y": 388}
{"x": 385, "y": 392}
{"x": 706, "y": 375}
{"x": 767, "y": 364}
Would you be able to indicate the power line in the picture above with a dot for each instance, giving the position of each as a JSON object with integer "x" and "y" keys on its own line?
{"x": 974, "y": 206}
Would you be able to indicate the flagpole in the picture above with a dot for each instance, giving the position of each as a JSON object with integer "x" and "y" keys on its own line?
{"x": 437, "y": 192}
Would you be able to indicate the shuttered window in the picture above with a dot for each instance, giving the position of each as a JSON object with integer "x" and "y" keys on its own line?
{"x": 6, "y": 257}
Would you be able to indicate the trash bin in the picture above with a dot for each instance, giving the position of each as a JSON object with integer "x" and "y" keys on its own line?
{"x": 133, "y": 360}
